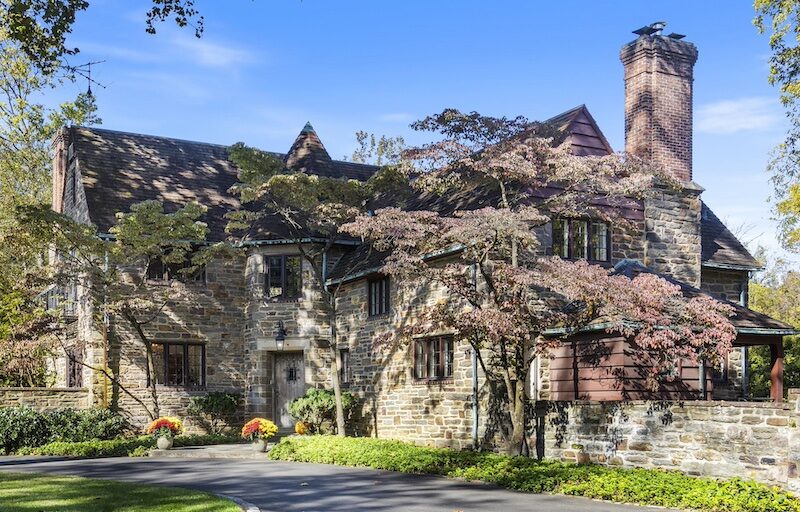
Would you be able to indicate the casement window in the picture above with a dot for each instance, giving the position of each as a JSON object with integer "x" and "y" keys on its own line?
{"x": 344, "y": 366}
{"x": 433, "y": 358}
{"x": 180, "y": 364}
{"x": 579, "y": 239}
{"x": 157, "y": 270}
{"x": 74, "y": 367}
{"x": 378, "y": 296}
{"x": 282, "y": 279}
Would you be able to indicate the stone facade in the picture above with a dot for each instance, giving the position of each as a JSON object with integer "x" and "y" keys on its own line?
{"x": 395, "y": 404}
{"x": 759, "y": 441}
{"x": 731, "y": 285}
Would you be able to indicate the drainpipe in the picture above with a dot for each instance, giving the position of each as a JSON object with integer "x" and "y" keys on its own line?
{"x": 474, "y": 354}
{"x": 106, "y": 325}
{"x": 745, "y": 349}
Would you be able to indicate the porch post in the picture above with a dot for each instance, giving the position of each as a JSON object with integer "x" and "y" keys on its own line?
{"x": 776, "y": 373}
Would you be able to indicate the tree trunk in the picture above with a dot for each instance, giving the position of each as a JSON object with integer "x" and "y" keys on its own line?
{"x": 336, "y": 369}
{"x": 151, "y": 380}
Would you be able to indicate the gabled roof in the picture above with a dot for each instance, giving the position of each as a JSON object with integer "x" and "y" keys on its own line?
{"x": 120, "y": 169}
{"x": 744, "y": 319}
{"x": 581, "y": 131}
{"x": 720, "y": 247}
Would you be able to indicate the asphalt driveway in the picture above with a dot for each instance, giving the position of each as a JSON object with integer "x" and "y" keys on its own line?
{"x": 285, "y": 486}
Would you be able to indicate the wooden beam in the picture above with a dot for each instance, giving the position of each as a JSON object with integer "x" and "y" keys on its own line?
{"x": 776, "y": 372}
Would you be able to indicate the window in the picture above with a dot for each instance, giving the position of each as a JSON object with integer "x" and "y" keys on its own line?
{"x": 75, "y": 367}
{"x": 344, "y": 367}
{"x": 282, "y": 279}
{"x": 180, "y": 364}
{"x": 719, "y": 372}
{"x": 433, "y": 358}
{"x": 157, "y": 270}
{"x": 378, "y": 296}
{"x": 581, "y": 239}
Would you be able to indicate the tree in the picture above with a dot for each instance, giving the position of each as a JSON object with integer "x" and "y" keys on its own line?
{"x": 780, "y": 18}
{"x": 490, "y": 184}
{"x": 775, "y": 292}
{"x": 114, "y": 271}
{"x": 307, "y": 207}
{"x": 40, "y": 27}
{"x": 27, "y": 128}
{"x": 378, "y": 151}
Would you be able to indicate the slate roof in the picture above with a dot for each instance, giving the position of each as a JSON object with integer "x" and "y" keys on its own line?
{"x": 743, "y": 319}
{"x": 720, "y": 247}
{"x": 120, "y": 169}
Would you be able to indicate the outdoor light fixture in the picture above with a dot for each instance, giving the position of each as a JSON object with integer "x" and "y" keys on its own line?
{"x": 280, "y": 335}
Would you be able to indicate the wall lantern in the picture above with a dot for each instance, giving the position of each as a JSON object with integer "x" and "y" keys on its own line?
{"x": 280, "y": 336}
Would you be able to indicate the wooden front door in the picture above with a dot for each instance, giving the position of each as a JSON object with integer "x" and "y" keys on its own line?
{"x": 290, "y": 383}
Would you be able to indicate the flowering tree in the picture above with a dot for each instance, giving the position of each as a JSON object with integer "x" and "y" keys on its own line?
{"x": 487, "y": 186}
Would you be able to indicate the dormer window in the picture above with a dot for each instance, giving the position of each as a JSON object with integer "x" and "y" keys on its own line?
{"x": 579, "y": 239}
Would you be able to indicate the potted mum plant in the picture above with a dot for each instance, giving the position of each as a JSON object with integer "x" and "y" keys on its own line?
{"x": 258, "y": 430}
{"x": 164, "y": 430}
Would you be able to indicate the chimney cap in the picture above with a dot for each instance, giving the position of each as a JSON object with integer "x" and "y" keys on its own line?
{"x": 651, "y": 29}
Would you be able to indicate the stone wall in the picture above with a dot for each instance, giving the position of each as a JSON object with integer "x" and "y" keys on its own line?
{"x": 725, "y": 284}
{"x": 759, "y": 441}
{"x": 673, "y": 233}
{"x": 45, "y": 398}
{"x": 395, "y": 405}
{"x": 210, "y": 315}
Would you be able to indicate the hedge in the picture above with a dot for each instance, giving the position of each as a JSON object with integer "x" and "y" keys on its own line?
{"x": 121, "y": 447}
{"x": 638, "y": 486}
{"x": 22, "y": 426}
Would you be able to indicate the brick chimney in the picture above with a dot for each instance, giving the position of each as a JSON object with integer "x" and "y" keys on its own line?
{"x": 658, "y": 99}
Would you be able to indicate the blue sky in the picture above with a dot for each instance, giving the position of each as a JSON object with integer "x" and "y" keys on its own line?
{"x": 265, "y": 67}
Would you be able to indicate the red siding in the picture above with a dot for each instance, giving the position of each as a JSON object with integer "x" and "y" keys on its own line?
{"x": 611, "y": 368}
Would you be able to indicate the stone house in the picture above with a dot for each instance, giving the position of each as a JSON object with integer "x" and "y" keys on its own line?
{"x": 257, "y": 327}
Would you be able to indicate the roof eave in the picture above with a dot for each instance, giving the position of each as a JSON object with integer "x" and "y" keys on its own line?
{"x": 729, "y": 266}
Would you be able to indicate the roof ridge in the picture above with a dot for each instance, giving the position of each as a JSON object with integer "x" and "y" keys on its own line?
{"x": 191, "y": 141}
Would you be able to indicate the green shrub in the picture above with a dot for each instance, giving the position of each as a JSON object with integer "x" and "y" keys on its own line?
{"x": 23, "y": 426}
{"x": 639, "y": 486}
{"x": 83, "y": 425}
{"x": 122, "y": 447}
{"x": 318, "y": 408}
{"x": 215, "y": 410}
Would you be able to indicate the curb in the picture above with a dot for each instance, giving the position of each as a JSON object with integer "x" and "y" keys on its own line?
{"x": 246, "y": 506}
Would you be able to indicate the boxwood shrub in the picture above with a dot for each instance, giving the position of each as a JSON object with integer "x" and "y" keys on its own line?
{"x": 22, "y": 426}
{"x": 639, "y": 486}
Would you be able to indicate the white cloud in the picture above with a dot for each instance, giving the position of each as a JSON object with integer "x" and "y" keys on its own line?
{"x": 741, "y": 115}
{"x": 209, "y": 54}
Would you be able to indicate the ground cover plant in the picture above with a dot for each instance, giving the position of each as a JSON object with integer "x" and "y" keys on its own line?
{"x": 25, "y": 492}
{"x": 639, "y": 486}
{"x": 121, "y": 447}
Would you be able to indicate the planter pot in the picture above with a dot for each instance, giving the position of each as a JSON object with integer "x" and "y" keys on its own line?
{"x": 260, "y": 445}
{"x": 164, "y": 443}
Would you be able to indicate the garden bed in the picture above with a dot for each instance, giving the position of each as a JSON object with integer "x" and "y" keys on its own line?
{"x": 636, "y": 486}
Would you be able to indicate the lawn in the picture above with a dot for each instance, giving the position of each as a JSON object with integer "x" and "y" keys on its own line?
{"x": 21, "y": 492}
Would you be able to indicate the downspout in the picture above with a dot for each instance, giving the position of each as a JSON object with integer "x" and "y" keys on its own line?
{"x": 474, "y": 354}
{"x": 106, "y": 325}
{"x": 745, "y": 349}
